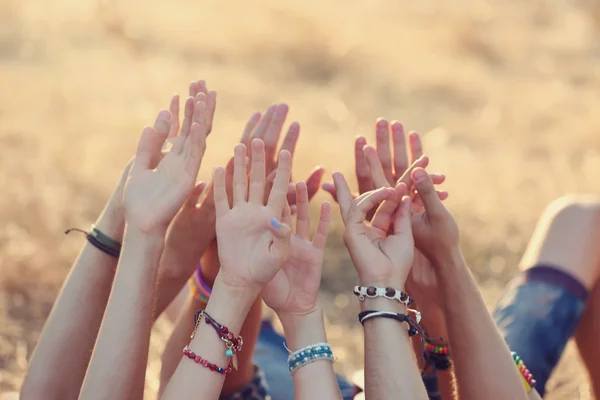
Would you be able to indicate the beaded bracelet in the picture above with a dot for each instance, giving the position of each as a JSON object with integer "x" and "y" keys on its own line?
{"x": 308, "y": 355}
{"x": 232, "y": 343}
{"x": 437, "y": 356}
{"x": 389, "y": 293}
{"x": 213, "y": 367}
{"x": 200, "y": 289}
{"x": 528, "y": 380}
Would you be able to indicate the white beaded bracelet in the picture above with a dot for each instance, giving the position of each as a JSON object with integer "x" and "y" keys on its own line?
{"x": 308, "y": 355}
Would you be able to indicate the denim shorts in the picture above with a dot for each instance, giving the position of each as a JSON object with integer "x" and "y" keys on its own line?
{"x": 271, "y": 357}
{"x": 538, "y": 315}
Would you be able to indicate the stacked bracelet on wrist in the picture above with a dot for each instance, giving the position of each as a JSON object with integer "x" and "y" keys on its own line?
{"x": 233, "y": 344}
{"x": 528, "y": 380}
{"x": 308, "y": 355}
{"x": 200, "y": 289}
{"x": 100, "y": 241}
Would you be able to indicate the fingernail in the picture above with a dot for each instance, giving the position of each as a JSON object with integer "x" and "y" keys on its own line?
{"x": 419, "y": 175}
{"x": 276, "y": 224}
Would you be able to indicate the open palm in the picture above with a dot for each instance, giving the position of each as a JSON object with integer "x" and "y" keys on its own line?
{"x": 294, "y": 290}
{"x": 253, "y": 244}
{"x": 152, "y": 197}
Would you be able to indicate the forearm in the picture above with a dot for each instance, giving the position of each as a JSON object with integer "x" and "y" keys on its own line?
{"x": 121, "y": 351}
{"x": 435, "y": 326}
{"x": 390, "y": 366}
{"x": 181, "y": 337}
{"x": 315, "y": 380}
{"x": 172, "y": 278}
{"x": 483, "y": 365}
{"x": 70, "y": 331}
{"x": 228, "y": 307}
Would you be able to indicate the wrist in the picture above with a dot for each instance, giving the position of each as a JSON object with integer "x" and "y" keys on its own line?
{"x": 229, "y": 305}
{"x": 142, "y": 243}
{"x": 302, "y": 330}
{"x": 111, "y": 221}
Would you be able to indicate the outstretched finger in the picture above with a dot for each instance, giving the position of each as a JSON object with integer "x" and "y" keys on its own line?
{"x": 320, "y": 238}
{"x": 431, "y": 201}
{"x": 400, "y": 155}
{"x": 240, "y": 186}
{"x": 263, "y": 125}
{"x": 273, "y": 132}
{"x": 256, "y": 192}
{"x": 280, "y": 186}
{"x": 220, "y": 189}
{"x": 192, "y": 200}
{"x": 406, "y": 178}
{"x": 249, "y": 128}
{"x": 174, "y": 110}
{"x": 363, "y": 174}
{"x": 416, "y": 147}
{"x": 188, "y": 114}
{"x": 211, "y": 106}
{"x": 151, "y": 141}
{"x": 197, "y": 143}
{"x": 402, "y": 218}
{"x": 378, "y": 174}
{"x": 384, "y": 153}
{"x": 291, "y": 138}
{"x": 282, "y": 234}
{"x": 329, "y": 187}
{"x": 302, "y": 211}
{"x": 344, "y": 196}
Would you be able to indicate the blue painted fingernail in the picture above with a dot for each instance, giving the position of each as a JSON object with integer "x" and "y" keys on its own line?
{"x": 276, "y": 224}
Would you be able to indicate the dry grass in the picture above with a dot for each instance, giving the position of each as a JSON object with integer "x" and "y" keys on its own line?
{"x": 504, "y": 92}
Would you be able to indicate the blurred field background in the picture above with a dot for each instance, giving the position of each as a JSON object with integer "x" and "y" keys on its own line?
{"x": 504, "y": 92}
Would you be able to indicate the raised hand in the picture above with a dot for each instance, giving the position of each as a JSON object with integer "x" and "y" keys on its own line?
{"x": 253, "y": 244}
{"x": 294, "y": 290}
{"x": 381, "y": 256}
{"x": 435, "y": 230}
{"x": 152, "y": 197}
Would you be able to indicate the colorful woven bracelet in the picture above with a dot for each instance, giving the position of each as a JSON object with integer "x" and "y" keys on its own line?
{"x": 436, "y": 356}
{"x": 528, "y": 380}
{"x": 389, "y": 293}
{"x": 198, "y": 287}
{"x": 436, "y": 349}
{"x": 308, "y": 355}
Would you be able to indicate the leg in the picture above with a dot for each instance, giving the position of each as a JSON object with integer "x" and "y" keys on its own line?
{"x": 544, "y": 305}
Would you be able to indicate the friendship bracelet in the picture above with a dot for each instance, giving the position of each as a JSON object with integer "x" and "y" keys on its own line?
{"x": 436, "y": 356}
{"x": 389, "y": 293}
{"x": 213, "y": 367}
{"x": 200, "y": 289}
{"x": 232, "y": 343}
{"x": 100, "y": 241}
{"x": 308, "y": 355}
{"x": 528, "y": 380}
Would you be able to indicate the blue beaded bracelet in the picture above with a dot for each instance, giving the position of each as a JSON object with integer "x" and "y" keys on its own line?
{"x": 309, "y": 354}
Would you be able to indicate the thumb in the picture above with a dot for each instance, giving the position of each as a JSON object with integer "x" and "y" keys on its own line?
{"x": 432, "y": 203}
{"x": 282, "y": 234}
{"x": 329, "y": 187}
{"x": 150, "y": 144}
{"x": 402, "y": 223}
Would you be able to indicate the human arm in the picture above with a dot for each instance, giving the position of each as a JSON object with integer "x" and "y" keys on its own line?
{"x": 78, "y": 308}
{"x": 483, "y": 365}
{"x": 253, "y": 245}
{"x": 151, "y": 199}
{"x": 293, "y": 295}
{"x": 382, "y": 258}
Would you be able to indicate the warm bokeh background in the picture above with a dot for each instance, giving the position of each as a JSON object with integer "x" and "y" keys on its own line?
{"x": 504, "y": 93}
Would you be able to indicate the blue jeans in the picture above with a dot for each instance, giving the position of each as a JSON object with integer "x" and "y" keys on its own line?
{"x": 537, "y": 318}
{"x": 271, "y": 356}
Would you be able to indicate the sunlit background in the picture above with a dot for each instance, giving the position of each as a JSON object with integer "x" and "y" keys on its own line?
{"x": 504, "y": 92}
